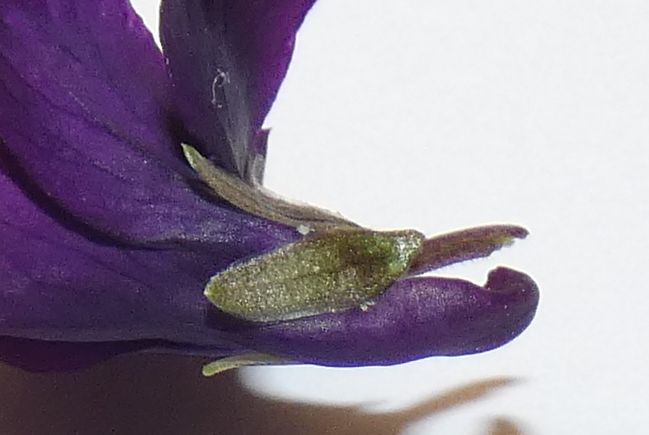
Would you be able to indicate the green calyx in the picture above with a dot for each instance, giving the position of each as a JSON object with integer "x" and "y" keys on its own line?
{"x": 337, "y": 266}
{"x": 324, "y": 273}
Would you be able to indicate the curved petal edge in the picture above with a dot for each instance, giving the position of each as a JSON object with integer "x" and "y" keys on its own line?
{"x": 416, "y": 318}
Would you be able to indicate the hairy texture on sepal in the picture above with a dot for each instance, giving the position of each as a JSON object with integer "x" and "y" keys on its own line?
{"x": 257, "y": 201}
{"x": 325, "y": 273}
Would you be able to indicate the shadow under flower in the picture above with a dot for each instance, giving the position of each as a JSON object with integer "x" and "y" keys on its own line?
{"x": 168, "y": 395}
{"x": 504, "y": 426}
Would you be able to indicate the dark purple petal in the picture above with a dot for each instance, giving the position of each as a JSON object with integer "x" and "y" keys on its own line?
{"x": 227, "y": 59}
{"x": 415, "y": 318}
{"x": 43, "y": 356}
{"x": 55, "y": 284}
{"x": 83, "y": 121}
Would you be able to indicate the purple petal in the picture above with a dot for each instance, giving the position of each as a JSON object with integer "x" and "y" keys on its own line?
{"x": 83, "y": 122}
{"x": 93, "y": 60}
{"x": 55, "y": 284}
{"x": 91, "y": 180}
{"x": 415, "y": 318}
{"x": 43, "y": 356}
{"x": 46, "y": 356}
{"x": 227, "y": 59}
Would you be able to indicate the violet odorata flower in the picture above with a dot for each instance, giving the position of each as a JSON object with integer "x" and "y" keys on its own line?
{"x": 130, "y": 184}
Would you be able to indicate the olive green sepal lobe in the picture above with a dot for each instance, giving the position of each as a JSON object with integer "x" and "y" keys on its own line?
{"x": 257, "y": 201}
{"x": 238, "y": 361}
{"x": 328, "y": 272}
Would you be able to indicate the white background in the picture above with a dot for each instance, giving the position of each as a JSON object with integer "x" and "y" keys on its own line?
{"x": 443, "y": 114}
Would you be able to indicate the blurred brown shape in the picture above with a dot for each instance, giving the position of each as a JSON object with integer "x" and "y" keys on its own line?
{"x": 150, "y": 394}
{"x": 504, "y": 426}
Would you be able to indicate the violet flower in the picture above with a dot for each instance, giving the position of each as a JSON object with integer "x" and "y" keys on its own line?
{"x": 109, "y": 236}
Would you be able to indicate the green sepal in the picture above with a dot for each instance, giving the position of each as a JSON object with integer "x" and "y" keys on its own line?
{"x": 324, "y": 273}
{"x": 258, "y": 201}
{"x": 237, "y": 361}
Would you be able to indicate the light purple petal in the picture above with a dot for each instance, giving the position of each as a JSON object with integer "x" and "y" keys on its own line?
{"x": 415, "y": 318}
{"x": 227, "y": 59}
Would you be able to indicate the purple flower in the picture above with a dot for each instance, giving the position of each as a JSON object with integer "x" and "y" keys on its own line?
{"x": 109, "y": 236}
